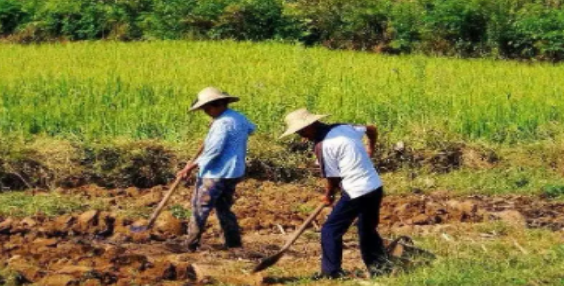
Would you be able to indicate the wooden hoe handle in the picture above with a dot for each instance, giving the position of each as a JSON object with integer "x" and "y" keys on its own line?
{"x": 271, "y": 260}
{"x": 162, "y": 204}
{"x": 303, "y": 227}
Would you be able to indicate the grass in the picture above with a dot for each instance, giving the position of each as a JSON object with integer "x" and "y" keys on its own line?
{"x": 9, "y": 278}
{"x": 499, "y": 181}
{"x": 479, "y": 254}
{"x": 553, "y": 191}
{"x": 142, "y": 90}
{"x": 180, "y": 212}
{"x": 469, "y": 260}
{"x": 20, "y": 204}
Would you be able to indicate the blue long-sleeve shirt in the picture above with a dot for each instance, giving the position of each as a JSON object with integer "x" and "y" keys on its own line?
{"x": 225, "y": 147}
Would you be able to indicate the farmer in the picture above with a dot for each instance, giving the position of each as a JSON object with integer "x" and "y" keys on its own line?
{"x": 346, "y": 165}
{"x": 221, "y": 163}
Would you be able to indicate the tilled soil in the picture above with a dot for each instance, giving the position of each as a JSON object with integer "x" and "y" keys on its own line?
{"x": 99, "y": 248}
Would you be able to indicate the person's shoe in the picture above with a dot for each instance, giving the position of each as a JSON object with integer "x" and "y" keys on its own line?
{"x": 339, "y": 275}
{"x": 175, "y": 246}
{"x": 192, "y": 243}
{"x": 234, "y": 245}
{"x": 192, "y": 247}
{"x": 181, "y": 246}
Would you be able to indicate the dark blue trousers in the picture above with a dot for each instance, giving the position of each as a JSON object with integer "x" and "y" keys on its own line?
{"x": 367, "y": 209}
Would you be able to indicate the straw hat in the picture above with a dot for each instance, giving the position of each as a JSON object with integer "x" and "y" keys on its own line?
{"x": 210, "y": 94}
{"x": 300, "y": 119}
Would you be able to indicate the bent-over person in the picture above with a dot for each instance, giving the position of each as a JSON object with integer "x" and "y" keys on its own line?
{"x": 346, "y": 165}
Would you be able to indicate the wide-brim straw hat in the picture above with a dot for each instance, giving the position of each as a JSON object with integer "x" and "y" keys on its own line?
{"x": 300, "y": 119}
{"x": 210, "y": 94}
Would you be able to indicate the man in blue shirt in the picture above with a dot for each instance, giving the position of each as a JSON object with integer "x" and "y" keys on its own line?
{"x": 221, "y": 163}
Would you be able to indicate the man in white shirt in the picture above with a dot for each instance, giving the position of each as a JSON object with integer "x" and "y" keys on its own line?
{"x": 346, "y": 165}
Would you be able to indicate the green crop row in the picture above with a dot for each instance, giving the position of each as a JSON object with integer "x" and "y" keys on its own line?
{"x": 91, "y": 91}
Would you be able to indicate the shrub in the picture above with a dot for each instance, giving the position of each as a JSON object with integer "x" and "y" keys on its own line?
{"x": 539, "y": 33}
{"x": 74, "y": 20}
{"x": 523, "y": 29}
{"x": 454, "y": 26}
{"x": 249, "y": 20}
{"x": 11, "y": 15}
{"x": 403, "y": 28}
{"x": 353, "y": 24}
{"x": 123, "y": 18}
{"x": 168, "y": 19}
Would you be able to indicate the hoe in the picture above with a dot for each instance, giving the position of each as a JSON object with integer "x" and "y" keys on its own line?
{"x": 398, "y": 249}
{"x": 163, "y": 203}
{"x": 269, "y": 261}
{"x": 159, "y": 209}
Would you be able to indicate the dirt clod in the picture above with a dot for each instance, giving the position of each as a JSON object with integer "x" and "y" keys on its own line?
{"x": 26, "y": 268}
{"x": 58, "y": 280}
{"x": 510, "y": 216}
{"x": 167, "y": 226}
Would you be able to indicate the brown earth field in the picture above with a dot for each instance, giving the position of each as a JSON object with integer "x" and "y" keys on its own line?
{"x": 97, "y": 247}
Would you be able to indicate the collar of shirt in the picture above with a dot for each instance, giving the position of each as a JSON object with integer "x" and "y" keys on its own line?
{"x": 223, "y": 114}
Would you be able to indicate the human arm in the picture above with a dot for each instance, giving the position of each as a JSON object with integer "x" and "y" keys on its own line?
{"x": 191, "y": 165}
{"x": 331, "y": 187}
{"x": 372, "y": 134}
{"x": 211, "y": 149}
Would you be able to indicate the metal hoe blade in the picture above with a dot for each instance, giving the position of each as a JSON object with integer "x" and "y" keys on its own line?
{"x": 267, "y": 262}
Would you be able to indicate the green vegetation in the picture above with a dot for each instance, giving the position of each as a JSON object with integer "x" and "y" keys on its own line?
{"x": 526, "y": 29}
{"x": 89, "y": 91}
{"x": 553, "y": 191}
{"x": 481, "y": 254}
{"x": 180, "y": 212}
{"x": 19, "y": 204}
{"x": 499, "y": 181}
{"x": 470, "y": 260}
{"x": 115, "y": 114}
{"x": 9, "y": 278}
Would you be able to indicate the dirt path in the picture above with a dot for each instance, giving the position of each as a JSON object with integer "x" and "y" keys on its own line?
{"x": 98, "y": 248}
